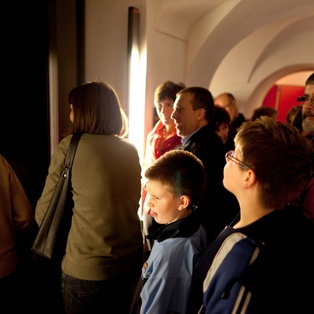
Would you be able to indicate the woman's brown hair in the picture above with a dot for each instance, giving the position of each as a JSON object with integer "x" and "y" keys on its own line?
{"x": 97, "y": 109}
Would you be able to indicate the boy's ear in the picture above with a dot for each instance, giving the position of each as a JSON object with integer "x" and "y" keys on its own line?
{"x": 249, "y": 179}
{"x": 184, "y": 202}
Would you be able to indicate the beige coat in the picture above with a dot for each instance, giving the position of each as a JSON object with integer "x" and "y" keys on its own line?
{"x": 105, "y": 239}
{"x": 16, "y": 216}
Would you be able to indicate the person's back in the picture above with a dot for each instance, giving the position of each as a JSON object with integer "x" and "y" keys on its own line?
{"x": 104, "y": 248}
{"x": 288, "y": 239}
{"x": 193, "y": 115}
{"x": 16, "y": 220}
{"x": 106, "y": 188}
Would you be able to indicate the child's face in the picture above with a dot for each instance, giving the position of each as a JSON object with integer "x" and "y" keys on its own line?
{"x": 234, "y": 175}
{"x": 162, "y": 205}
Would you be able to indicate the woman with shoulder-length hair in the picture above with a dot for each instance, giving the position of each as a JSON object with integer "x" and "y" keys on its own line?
{"x": 104, "y": 247}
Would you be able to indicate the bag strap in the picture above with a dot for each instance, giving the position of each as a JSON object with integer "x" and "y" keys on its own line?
{"x": 72, "y": 149}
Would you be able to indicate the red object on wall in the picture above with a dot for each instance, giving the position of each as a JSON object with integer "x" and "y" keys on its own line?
{"x": 283, "y": 97}
{"x": 270, "y": 98}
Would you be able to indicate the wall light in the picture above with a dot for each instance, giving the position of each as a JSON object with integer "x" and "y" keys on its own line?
{"x": 136, "y": 83}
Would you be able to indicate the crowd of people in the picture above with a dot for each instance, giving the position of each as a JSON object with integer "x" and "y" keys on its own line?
{"x": 226, "y": 219}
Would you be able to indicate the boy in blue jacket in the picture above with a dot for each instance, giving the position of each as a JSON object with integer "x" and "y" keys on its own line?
{"x": 175, "y": 184}
{"x": 263, "y": 262}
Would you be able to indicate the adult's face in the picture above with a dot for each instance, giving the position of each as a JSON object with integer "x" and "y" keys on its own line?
{"x": 164, "y": 110}
{"x": 231, "y": 106}
{"x": 308, "y": 109}
{"x": 186, "y": 119}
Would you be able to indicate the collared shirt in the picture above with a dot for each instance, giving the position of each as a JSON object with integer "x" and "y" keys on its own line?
{"x": 186, "y": 139}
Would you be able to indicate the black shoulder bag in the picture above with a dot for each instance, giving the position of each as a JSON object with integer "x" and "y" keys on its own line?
{"x": 51, "y": 239}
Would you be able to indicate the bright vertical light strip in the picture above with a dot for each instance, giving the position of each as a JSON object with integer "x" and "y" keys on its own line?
{"x": 136, "y": 84}
{"x": 136, "y": 103}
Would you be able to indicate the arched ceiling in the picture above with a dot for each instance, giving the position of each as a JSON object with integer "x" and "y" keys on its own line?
{"x": 241, "y": 45}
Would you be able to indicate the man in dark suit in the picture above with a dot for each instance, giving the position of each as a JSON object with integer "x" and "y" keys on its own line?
{"x": 193, "y": 116}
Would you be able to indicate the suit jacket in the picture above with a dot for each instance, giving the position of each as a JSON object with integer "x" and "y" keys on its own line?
{"x": 218, "y": 206}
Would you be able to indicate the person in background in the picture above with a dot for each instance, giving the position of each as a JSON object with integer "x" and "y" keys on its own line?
{"x": 228, "y": 101}
{"x": 306, "y": 199}
{"x": 104, "y": 248}
{"x": 16, "y": 221}
{"x": 292, "y": 112}
{"x": 294, "y": 117}
{"x": 222, "y": 122}
{"x": 161, "y": 139}
{"x": 308, "y": 109}
{"x": 175, "y": 184}
{"x": 163, "y": 136}
{"x": 297, "y": 122}
{"x": 264, "y": 111}
{"x": 193, "y": 115}
{"x": 280, "y": 280}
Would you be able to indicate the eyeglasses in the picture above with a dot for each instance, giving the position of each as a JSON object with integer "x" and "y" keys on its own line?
{"x": 306, "y": 98}
{"x": 230, "y": 103}
{"x": 230, "y": 155}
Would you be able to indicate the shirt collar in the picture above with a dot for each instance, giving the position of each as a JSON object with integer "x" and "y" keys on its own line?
{"x": 186, "y": 139}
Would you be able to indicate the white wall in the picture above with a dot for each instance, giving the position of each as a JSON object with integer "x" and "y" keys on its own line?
{"x": 224, "y": 45}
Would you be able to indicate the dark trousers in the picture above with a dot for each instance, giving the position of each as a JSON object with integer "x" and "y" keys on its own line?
{"x": 47, "y": 292}
{"x": 9, "y": 291}
{"x": 105, "y": 296}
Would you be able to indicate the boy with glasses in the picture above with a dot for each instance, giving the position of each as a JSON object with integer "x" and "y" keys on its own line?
{"x": 270, "y": 165}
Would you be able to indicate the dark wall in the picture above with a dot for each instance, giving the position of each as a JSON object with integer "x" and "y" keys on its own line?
{"x": 42, "y": 43}
{"x": 24, "y": 113}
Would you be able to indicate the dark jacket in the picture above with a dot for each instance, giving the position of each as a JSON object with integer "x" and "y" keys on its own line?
{"x": 235, "y": 125}
{"x": 218, "y": 206}
{"x": 281, "y": 278}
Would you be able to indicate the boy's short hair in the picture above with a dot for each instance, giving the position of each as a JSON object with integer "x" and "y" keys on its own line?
{"x": 181, "y": 172}
{"x": 280, "y": 157}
